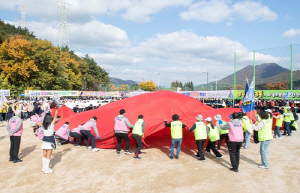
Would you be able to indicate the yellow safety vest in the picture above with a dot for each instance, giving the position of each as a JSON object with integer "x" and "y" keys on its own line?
{"x": 213, "y": 133}
{"x": 266, "y": 132}
{"x": 176, "y": 129}
{"x": 292, "y": 118}
{"x": 279, "y": 121}
{"x": 287, "y": 118}
{"x": 200, "y": 131}
{"x": 138, "y": 129}
{"x": 246, "y": 123}
{"x": 225, "y": 131}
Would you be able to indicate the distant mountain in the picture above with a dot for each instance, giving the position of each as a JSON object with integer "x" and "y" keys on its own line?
{"x": 265, "y": 73}
{"x": 117, "y": 81}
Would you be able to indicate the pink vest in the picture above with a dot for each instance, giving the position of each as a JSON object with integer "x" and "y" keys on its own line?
{"x": 39, "y": 133}
{"x": 13, "y": 126}
{"x": 235, "y": 133}
{"x": 88, "y": 125}
{"x": 121, "y": 125}
{"x": 40, "y": 119}
{"x": 62, "y": 132}
{"x": 76, "y": 130}
{"x": 34, "y": 118}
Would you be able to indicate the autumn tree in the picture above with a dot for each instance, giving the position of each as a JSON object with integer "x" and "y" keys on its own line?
{"x": 147, "y": 86}
{"x": 277, "y": 86}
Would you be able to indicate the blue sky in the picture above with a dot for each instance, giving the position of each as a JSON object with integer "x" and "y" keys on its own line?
{"x": 180, "y": 39}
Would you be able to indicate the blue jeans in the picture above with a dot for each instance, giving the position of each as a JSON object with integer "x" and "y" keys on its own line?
{"x": 247, "y": 139}
{"x": 287, "y": 128}
{"x": 0, "y": 116}
{"x": 174, "y": 141}
{"x": 276, "y": 132}
{"x": 264, "y": 152}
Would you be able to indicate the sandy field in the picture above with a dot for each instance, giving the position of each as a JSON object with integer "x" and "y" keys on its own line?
{"x": 81, "y": 170}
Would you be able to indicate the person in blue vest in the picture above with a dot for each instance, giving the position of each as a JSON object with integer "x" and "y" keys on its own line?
{"x": 176, "y": 134}
{"x": 264, "y": 129}
{"x": 137, "y": 134}
{"x": 199, "y": 129}
{"x": 235, "y": 134}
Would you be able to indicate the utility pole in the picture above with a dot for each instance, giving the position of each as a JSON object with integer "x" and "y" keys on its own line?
{"x": 217, "y": 82}
{"x": 158, "y": 80}
{"x": 63, "y": 40}
{"x": 206, "y": 80}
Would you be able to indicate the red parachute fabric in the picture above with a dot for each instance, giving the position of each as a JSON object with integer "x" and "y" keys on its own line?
{"x": 156, "y": 107}
{"x": 64, "y": 112}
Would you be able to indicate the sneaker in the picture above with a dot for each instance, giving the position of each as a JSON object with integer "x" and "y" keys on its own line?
{"x": 43, "y": 170}
{"x": 234, "y": 170}
{"x": 95, "y": 150}
{"x": 279, "y": 137}
{"x": 202, "y": 160}
{"x": 58, "y": 143}
{"x": 197, "y": 156}
{"x": 219, "y": 157}
{"x": 118, "y": 153}
{"x": 128, "y": 152}
{"x": 176, "y": 157}
{"x": 171, "y": 157}
{"x": 136, "y": 157}
{"x": 263, "y": 167}
{"x": 89, "y": 147}
{"x": 48, "y": 171}
{"x": 207, "y": 152}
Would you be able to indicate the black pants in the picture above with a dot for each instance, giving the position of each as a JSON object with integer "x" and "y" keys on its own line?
{"x": 212, "y": 145}
{"x": 200, "y": 145}
{"x": 60, "y": 139}
{"x": 15, "y": 142}
{"x": 223, "y": 136}
{"x": 77, "y": 136}
{"x": 86, "y": 135}
{"x": 123, "y": 136}
{"x": 234, "y": 152}
{"x": 139, "y": 143}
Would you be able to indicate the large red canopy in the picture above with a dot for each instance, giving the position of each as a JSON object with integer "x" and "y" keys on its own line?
{"x": 156, "y": 107}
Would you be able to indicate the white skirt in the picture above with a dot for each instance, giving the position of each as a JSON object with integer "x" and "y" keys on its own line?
{"x": 46, "y": 145}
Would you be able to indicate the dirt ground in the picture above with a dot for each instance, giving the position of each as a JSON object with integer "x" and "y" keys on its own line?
{"x": 81, "y": 170}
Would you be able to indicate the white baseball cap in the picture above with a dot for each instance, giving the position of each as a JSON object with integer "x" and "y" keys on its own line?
{"x": 209, "y": 119}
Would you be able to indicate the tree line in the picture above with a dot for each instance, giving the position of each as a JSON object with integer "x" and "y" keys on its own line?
{"x": 28, "y": 63}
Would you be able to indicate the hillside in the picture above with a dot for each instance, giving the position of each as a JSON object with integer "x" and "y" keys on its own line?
{"x": 117, "y": 81}
{"x": 265, "y": 73}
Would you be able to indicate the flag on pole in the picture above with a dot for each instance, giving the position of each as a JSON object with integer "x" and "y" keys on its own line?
{"x": 248, "y": 101}
{"x": 286, "y": 96}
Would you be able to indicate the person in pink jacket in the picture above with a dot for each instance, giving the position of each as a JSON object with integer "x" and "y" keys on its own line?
{"x": 85, "y": 131}
{"x": 62, "y": 135}
{"x": 236, "y": 139}
{"x": 15, "y": 131}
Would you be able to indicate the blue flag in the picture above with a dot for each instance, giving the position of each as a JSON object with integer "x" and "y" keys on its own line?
{"x": 248, "y": 102}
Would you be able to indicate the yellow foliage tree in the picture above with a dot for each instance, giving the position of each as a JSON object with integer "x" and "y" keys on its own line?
{"x": 147, "y": 86}
{"x": 123, "y": 87}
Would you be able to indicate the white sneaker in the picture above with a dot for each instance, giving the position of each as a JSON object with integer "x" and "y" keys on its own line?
{"x": 263, "y": 167}
{"x": 48, "y": 171}
{"x": 89, "y": 147}
{"x": 128, "y": 152}
{"x": 43, "y": 170}
{"x": 219, "y": 157}
{"x": 95, "y": 150}
{"x": 207, "y": 152}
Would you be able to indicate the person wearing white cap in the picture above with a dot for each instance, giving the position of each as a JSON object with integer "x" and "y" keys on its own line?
{"x": 214, "y": 136}
{"x": 223, "y": 133}
{"x": 287, "y": 120}
{"x": 15, "y": 131}
{"x": 200, "y": 133}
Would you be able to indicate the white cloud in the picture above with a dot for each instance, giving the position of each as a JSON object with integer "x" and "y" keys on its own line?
{"x": 215, "y": 11}
{"x": 181, "y": 55}
{"x": 292, "y": 33}
{"x": 90, "y": 34}
{"x": 252, "y": 11}
{"x": 79, "y": 11}
{"x": 212, "y": 11}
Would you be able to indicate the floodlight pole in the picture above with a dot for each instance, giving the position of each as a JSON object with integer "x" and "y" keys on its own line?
{"x": 217, "y": 82}
{"x": 291, "y": 59}
{"x": 206, "y": 80}
{"x": 158, "y": 80}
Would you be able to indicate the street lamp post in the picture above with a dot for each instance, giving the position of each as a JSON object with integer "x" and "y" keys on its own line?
{"x": 206, "y": 80}
{"x": 217, "y": 82}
